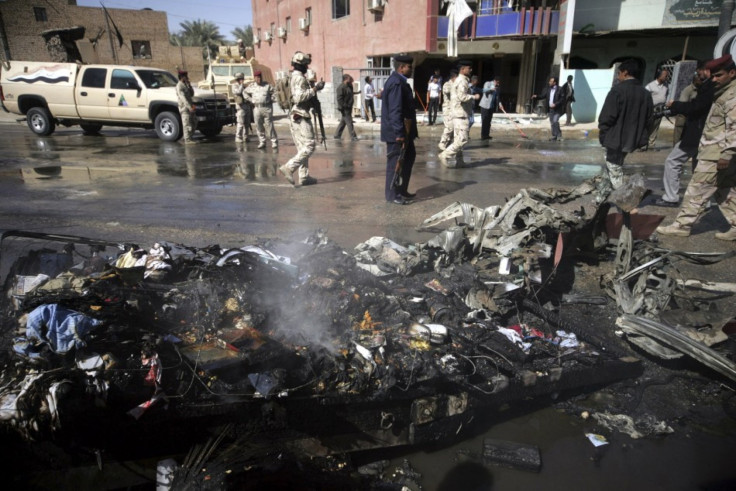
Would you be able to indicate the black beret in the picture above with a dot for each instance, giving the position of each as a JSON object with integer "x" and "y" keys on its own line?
{"x": 406, "y": 59}
{"x": 464, "y": 63}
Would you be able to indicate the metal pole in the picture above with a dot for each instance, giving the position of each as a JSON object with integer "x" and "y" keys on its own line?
{"x": 724, "y": 21}
{"x": 109, "y": 35}
{"x": 684, "y": 49}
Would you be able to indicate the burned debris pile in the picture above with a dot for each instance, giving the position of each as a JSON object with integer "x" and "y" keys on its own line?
{"x": 386, "y": 345}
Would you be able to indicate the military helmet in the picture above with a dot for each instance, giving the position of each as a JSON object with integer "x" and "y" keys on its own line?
{"x": 239, "y": 76}
{"x": 301, "y": 58}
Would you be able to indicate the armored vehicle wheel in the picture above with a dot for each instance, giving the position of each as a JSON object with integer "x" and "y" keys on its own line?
{"x": 40, "y": 121}
{"x": 210, "y": 131}
{"x": 91, "y": 128}
{"x": 168, "y": 126}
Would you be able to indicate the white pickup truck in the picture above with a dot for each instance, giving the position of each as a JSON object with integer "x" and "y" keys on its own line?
{"x": 95, "y": 95}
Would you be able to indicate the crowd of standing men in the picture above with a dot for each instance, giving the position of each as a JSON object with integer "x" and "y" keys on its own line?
{"x": 627, "y": 122}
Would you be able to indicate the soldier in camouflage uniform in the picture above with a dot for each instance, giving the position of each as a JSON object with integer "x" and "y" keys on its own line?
{"x": 446, "y": 137}
{"x": 184, "y": 95}
{"x": 300, "y": 120}
{"x": 260, "y": 94}
{"x": 461, "y": 106}
{"x": 715, "y": 173}
{"x": 241, "y": 107}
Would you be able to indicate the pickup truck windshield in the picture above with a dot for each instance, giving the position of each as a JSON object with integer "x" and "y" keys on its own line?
{"x": 153, "y": 79}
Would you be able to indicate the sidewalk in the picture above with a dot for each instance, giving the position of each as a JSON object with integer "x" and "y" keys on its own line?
{"x": 535, "y": 127}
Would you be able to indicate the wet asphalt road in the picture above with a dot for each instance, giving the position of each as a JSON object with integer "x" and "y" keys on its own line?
{"x": 126, "y": 185}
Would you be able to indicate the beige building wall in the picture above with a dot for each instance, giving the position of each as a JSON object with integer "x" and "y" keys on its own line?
{"x": 22, "y": 23}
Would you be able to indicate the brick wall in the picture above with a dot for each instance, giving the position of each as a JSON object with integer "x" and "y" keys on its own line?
{"x": 25, "y": 42}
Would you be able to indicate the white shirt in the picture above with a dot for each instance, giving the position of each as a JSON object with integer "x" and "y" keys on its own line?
{"x": 434, "y": 90}
{"x": 368, "y": 91}
{"x": 658, "y": 91}
{"x": 552, "y": 95}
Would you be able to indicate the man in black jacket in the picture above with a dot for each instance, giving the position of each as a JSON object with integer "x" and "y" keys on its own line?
{"x": 345, "y": 106}
{"x": 399, "y": 129}
{"x": 622, "y": 124}
{"x": 555, "y": 101}
{"x": 695, "y": 112}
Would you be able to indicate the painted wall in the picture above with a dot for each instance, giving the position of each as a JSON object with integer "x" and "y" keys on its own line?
{"x": 611, "y": 15}
{"x": 591, "y": 88}
{"x": 653, "y": 50}
{"x": 345, "y": 42}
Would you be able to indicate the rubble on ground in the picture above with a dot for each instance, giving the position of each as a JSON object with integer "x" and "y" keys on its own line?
{"x": 305, "y": 347}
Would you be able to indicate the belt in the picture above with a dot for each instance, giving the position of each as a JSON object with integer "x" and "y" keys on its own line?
{"x": 263, "y": 104}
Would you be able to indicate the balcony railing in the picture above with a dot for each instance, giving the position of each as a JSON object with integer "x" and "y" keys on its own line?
{"x": 526, "y": 22}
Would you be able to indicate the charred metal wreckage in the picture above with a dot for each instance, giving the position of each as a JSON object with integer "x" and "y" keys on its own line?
{"x": 306, "y": 350}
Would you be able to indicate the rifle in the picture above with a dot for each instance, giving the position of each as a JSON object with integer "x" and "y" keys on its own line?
{"x": 317, "y": 115}
{"x": 396, "y": 181}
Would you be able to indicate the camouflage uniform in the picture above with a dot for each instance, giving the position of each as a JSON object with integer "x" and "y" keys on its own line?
{"x": 461, "y": 105}
{"x": 261, "y": 96}
{"x": 718, "y": 142}
{"x": 241, "y": 112}
{"x": 446, "y": 137}
{"x": 300, "y": 124}
{"x": 184, "y": 94}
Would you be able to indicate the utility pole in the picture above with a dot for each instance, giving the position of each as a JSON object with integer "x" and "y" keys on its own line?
{"x": 724, "y": 22}
{"x": 109, "y": 35}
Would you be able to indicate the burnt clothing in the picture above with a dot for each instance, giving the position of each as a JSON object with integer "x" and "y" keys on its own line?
{"x": 623, "y": 120}
{"x": 695, "y": 112}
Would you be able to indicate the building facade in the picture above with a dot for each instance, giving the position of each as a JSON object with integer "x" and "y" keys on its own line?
{"x": 51, "y": 29}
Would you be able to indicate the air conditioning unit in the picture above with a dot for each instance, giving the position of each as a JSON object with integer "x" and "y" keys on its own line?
{"x": 281, "y": 32}
{"x": 303, "y": 24}
{"x": 376, "y": 5}
{"x": 268, "y": 37}
{"x": 256, "y": 40}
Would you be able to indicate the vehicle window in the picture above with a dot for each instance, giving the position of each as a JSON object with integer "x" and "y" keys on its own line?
{"x": 153, "y": 79}
{"x": 242, "y": 68}
{"x": 122, "y": 79}
{"x": 94, "y": 78}
{"x": 220, "y": 71}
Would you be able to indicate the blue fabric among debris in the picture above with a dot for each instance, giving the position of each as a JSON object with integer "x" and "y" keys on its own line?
{"x": 62, "y": 329}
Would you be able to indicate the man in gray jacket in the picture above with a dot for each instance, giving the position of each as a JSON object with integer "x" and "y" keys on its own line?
{"x": 345, "y": 106}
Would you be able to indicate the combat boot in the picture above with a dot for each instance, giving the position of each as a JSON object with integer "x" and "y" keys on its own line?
{"x": 730, "y": 234}
{"x": 287, "y": 174}
{"x": 308, "y": 181}
{"x": 674, "y": 229}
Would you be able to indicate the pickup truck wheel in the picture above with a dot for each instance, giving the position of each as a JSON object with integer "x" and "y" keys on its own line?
{"x": 40, "y": 121}
{"x": 210, "y": 131}
{"x": 91, "y": 128}
{"x": 168, "y": 126}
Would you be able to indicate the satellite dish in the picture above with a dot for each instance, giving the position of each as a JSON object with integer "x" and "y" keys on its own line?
{"x": 726, "y": 45}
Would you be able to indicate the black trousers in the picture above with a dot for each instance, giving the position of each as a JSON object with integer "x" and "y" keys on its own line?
{"x": 486, "y": 116}
{"x": 393, "y": 150}
{"x": 369, "y": 105}
{"x": 434, "y": 106}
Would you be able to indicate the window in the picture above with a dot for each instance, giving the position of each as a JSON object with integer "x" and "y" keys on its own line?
{"x": 123, "y": 79}
{"x": 340, "y": 8}
{"x": 141, "y": 49}
{"x": 94, "y": 78}
{"x": 288, "y": 24}
{"x": 154, "y": 79}
{"x": 308, "y": 15}
{"x": 40, "y": 14}
{"x": 273, "y": 29}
